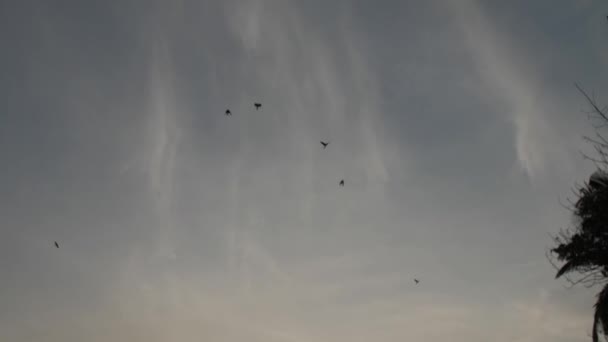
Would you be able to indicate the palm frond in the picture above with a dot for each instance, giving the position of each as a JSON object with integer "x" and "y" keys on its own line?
{"x": 569, "y": 267}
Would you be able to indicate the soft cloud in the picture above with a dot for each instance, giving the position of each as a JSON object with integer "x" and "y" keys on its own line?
{"x": 514, "y": 83}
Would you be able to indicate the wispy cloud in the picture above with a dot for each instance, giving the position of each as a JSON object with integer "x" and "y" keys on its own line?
{"x": 511, "y": 75}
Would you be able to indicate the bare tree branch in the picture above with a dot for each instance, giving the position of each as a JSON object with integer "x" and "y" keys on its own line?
{"x": 592, "y": 102}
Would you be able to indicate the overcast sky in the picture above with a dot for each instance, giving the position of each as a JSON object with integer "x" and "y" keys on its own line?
{"x": 455, "y": 125}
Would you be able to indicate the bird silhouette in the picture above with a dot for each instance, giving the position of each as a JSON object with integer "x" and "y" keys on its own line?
{"x": 416, "y": 281}
{"x": 342, "y": 182}
{"x": 56, "y": 244}
{"x": 257, "y": 105}
{"x": 324, "y": 144}
{"x": 228, "y": 112}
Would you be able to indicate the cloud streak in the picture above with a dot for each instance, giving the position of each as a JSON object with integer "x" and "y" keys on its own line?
{"x": 510, "y": 73}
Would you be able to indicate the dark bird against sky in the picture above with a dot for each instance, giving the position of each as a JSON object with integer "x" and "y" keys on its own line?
{"x": 324, "y": 144}
{"x": 56, "y": 244}
{"x": 257, "y": 105}
{"x": 228, "y": 112}
{"x": 342, "y": 182}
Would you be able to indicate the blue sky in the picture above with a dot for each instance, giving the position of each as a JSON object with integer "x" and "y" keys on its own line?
{"x": 455, "y": 125}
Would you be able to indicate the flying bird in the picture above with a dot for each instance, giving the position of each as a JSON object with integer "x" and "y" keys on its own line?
{"x": 324, "y": 144}
{"x": 342, "y": 182}
{"x": 228, "y": 112}
{"x": 56, "y": 244}
{"x": 257, "y": 105}
{"x": 416, "y": 281}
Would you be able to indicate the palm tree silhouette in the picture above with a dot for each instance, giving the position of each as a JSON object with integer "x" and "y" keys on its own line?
{"x": 584, "y": 249}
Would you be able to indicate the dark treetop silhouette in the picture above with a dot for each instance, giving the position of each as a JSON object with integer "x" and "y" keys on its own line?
{"x": 583, "y": 249}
